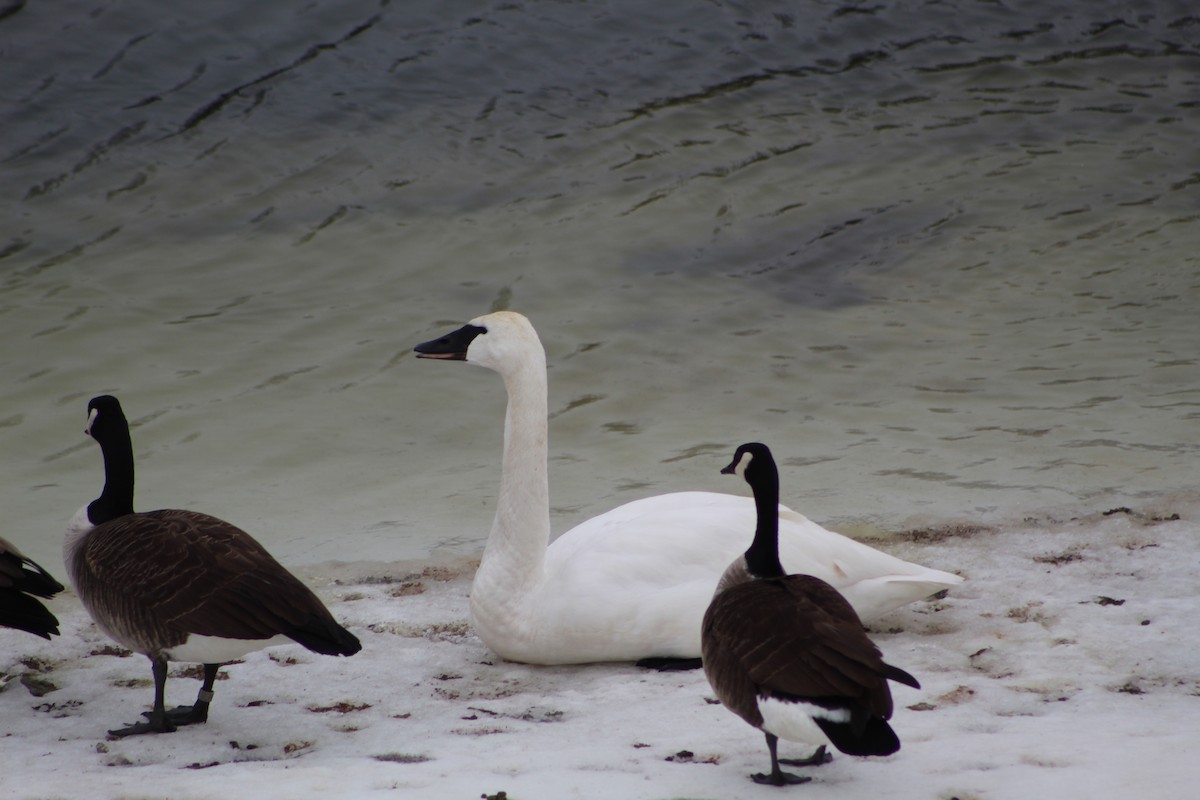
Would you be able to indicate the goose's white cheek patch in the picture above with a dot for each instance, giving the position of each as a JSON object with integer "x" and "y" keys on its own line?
{"x": 739, "y": 468}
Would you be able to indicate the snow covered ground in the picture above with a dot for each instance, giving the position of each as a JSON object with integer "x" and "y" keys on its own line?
{"x": 1067, "y": 666}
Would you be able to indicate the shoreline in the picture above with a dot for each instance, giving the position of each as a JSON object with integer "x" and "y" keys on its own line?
{"x": 1069, "y": 640}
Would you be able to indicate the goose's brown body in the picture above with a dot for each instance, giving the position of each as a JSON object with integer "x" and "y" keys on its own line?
{"x": 795, "y": 639}
{"x": 155, "y": 579}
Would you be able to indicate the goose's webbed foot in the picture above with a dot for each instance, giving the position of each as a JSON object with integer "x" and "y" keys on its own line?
{"x": 155, "y": 723}
{"x": 779, "y": 778}
{"x": 821, "y": 756}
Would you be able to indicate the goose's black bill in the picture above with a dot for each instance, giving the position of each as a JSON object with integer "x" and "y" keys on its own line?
{"x": 452, "y": 346}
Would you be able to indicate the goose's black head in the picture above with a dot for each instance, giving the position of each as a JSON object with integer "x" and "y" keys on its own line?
{"x": 451, "y": 347}
{"x": 105, "y": 417}
{"x": 753, "y": 461}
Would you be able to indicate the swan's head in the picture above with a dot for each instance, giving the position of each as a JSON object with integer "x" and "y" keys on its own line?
{"x": 502, "y": 341}
{"x": 753, "y": 461}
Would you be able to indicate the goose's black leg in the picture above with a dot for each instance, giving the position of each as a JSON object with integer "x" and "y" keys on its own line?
{"x": 777, "y": 777}
{"x": 197, "y": 713}
{"x": 157, "y": 721}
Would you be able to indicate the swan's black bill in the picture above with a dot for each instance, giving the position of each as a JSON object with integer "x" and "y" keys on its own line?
{"x": 452, "y": 346}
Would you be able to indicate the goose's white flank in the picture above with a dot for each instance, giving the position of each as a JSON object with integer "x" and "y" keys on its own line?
{"x": 632, "y": 583}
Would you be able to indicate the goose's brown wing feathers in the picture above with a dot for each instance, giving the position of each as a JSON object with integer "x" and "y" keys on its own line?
{"x": 187, "y": 572}
{"x": 797, "y": 637}
{"x": 24, "y": 574}
{"x": 21, "y": 580}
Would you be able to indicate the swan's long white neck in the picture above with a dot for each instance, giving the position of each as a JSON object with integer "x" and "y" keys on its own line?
{"x": 516, "y": 549}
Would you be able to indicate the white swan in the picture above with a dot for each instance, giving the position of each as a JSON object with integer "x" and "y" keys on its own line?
{"x": 632, "y": 583}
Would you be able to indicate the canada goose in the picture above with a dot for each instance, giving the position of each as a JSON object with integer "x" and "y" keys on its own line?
{"x": 180, "y": 585}
{"x": 21, "y": 579}
{"x": 633, "y": 582}
{"x": 787, "y": 653}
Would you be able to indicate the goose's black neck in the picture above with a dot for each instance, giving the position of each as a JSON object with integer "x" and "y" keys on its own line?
{"x": 111, "y": 431}
{"x": 762, "y": 557}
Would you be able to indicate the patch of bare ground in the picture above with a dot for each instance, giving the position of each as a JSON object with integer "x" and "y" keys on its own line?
{"x": 1030, "y": 612}
{"x": 1058, "y": 559}
{"x": 195, "y": 671}
{"x": 688, "y": 757}
{"x": 478, "y": 689}
{"x": 111, "y": 650}
{"x": 438, "y": 631}
{"x": 956, "y": 696}
{"x": 343, "y": 707}
{"x": 940, "y": 533}
{"x": 433, "y": 572}
{"x": 402, "y": 758}
{"x": 1148, "y": 517}
{"x": 528, "y": 715}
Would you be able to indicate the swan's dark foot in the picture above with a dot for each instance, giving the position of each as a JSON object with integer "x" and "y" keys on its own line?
{"x": 779, "y": 778}
{"x": 669, "y": 663}
{"x": 821, "y": 756}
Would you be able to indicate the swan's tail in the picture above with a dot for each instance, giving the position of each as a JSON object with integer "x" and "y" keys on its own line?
{"x": 875, "y": 597}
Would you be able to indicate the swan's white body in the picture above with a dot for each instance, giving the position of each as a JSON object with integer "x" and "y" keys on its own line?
{"x": 633, "y": 582}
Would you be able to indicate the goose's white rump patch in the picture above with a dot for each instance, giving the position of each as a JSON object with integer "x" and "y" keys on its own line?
{"x": 794, "y": 720}
{"x": 220, "y": 650}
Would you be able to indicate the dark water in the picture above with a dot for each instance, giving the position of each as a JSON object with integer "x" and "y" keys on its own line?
{"x": 942, "y": 256}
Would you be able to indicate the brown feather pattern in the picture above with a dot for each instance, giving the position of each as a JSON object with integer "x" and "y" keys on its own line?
{"x": 790, "y": 637}
{"x": 151, "y": 579}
